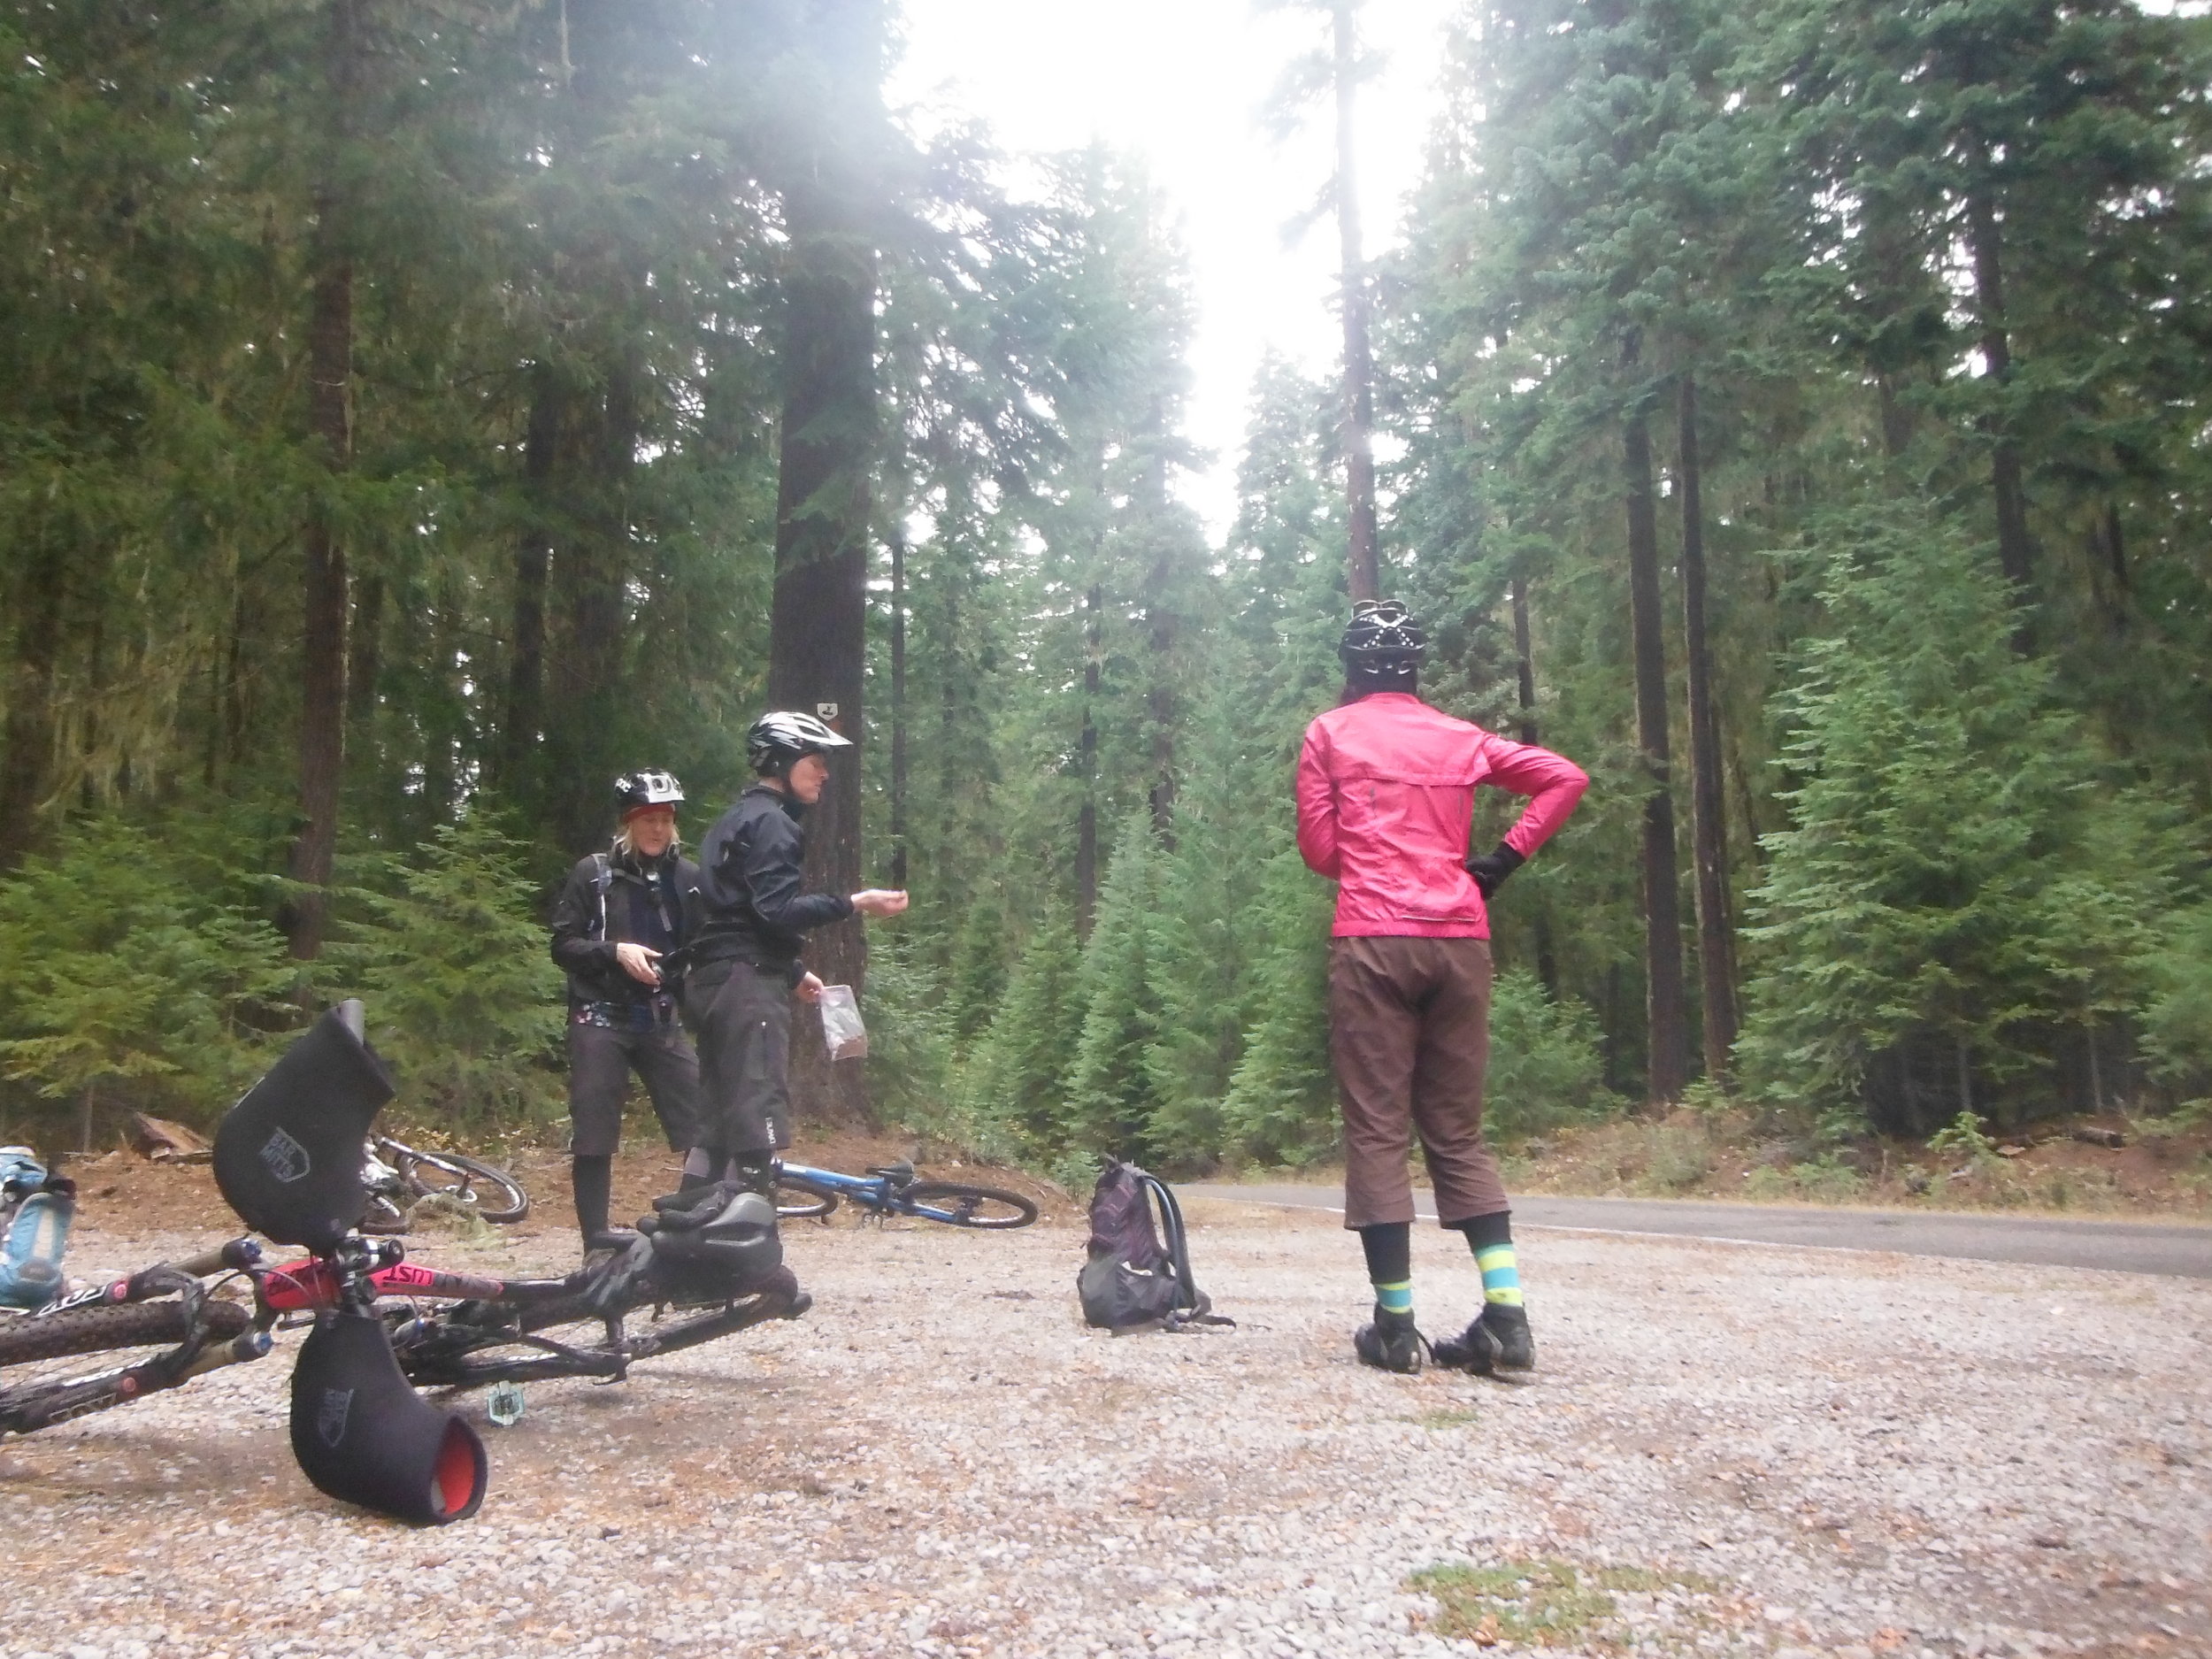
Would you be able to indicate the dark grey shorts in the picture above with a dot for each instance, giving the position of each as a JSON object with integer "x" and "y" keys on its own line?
{"x": 600, "y": 1061}
{"x": 743, "y": 1017}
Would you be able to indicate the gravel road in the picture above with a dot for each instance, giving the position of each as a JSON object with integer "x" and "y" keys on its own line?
{"x": 1730, "y": 1450}
{"x": 2151, "y": 1246}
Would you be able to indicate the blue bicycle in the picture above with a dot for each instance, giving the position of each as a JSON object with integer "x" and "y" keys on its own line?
{"x": 895, "y": 1190}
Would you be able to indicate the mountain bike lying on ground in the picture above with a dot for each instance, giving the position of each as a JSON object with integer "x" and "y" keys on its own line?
{"x": 399, "y": 1177}
{"x": 155, "y": 1329}
{"x": 359, "y": 1430}
{"x": 895, "y": 1190}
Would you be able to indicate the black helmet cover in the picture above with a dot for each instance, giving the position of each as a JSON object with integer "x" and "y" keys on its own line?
{"x": 649, "y": 786}
{"x": 1383, "y": 644}
{"x": 781, "y": 736}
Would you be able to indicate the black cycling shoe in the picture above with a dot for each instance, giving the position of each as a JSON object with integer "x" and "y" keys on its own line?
{"x": 1389, "y": 1344}
{"x": 1516, "y": 1348}
{"x": 1497, "y": 1339}
{"x": 608, "y": 1239}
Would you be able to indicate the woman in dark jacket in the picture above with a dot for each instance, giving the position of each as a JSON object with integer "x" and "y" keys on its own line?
{"x": 621, "y": 912}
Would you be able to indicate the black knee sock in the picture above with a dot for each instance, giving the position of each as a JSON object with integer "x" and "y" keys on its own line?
{"x": 593, "y": 1180}
{"x": 703, "y": 1167}
{"x": 1484, "y": 1232}
{"x": 1389, "y": 1249}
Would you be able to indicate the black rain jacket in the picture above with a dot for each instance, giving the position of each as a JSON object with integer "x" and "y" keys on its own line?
{"x": 750, "y": 887}
{"x": 592, "y": 917}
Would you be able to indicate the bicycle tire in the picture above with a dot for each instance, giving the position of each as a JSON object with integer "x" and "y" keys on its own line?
{"x": 816, "y": 1204}
{"x": 970, "y": 1199}
{"x": 98, "y": 1328}
{"x": 510, "y": 1202}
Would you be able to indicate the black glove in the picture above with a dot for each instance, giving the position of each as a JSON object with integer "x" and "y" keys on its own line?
{"x": 1491, "y": 869}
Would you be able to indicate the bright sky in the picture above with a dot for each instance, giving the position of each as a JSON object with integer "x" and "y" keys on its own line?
{"x": 1177, "y": 82}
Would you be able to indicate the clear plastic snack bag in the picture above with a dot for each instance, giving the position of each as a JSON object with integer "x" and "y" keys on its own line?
{"x": 841, "y": 1030}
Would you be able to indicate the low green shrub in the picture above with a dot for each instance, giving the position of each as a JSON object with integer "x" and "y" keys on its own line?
{"x": 446, "y": 949}
{"x": 1679, "y": 1156}
{"x": 133, "y": 977}
{"x": 1545, "y": 1065}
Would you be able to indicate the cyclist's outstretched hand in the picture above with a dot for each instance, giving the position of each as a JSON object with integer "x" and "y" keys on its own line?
{"x": 637, "y": 960}
{"x": 809, "y": 988}
{"x": 880, "y": 901}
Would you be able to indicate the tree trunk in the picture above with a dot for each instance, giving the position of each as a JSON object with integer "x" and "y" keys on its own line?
{"x": 1359, "y": 369}
{"x": 365, "y": 648}
{"x": 1161, "y": 627}
{"x": 898, "y": 698}
{"x": 1668, "y": 1058}
{"x": 533, "y": 563}
{"x": 322, "y": 588}
{"x": 1547, "y": 958}
{"x": 1086, "y": 819}
{"x": 818, "y": 616}
{"x": 2015, "y": 552}
{"x": 30, "y": 728}
{"x": 1709, "y": 819}
{"x": 585, "y": 724}
{"x": 235, "y": 679}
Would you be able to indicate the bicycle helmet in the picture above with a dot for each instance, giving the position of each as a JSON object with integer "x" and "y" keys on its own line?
{"x": 1383, "y": 644}
{"x": 635, "y": 791}
{"x": 782, "y": 736}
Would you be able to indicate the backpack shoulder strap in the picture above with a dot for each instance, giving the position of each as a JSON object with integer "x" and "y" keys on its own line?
{"x": 1173, "y": 1236}
{"x": 1192, "y": 1306}
{"x": 601, "y": 879}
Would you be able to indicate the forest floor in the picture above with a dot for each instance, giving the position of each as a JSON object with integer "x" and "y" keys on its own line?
{"x": 1790, "y": 1455}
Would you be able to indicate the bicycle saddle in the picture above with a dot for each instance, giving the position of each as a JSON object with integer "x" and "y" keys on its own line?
{"x": 692, "y": 1211}
{"x": 900, "y": 1173}
{"x": 726, "y": 1240}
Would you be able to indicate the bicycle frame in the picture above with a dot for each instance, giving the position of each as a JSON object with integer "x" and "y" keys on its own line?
{"x": 882, "y": 1192}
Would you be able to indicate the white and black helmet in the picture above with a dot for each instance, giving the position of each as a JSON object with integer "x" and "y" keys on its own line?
{"x": 1383, "y": 642}
{"x": 782, "y": 735}
{"x": 635, "y": 791}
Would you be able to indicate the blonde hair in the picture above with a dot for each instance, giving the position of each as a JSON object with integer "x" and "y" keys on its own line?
{"x": 624, "y": 847}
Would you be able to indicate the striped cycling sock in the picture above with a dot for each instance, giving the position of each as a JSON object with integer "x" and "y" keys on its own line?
{"x": 1395, "y": 1298}
{"x": 1500, "y": 1274}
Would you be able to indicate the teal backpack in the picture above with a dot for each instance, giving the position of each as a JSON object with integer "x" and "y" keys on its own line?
{"x": 37, "y": 1208}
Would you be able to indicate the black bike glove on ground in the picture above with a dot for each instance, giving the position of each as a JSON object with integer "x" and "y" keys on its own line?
{"x": 1491, "y": 869}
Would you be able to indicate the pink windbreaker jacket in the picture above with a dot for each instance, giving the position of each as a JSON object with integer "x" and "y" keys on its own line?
{"x": 1387, "y": 797}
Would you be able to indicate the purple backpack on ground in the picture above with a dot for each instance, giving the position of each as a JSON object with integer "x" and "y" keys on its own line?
{"x": 1132, "y": 1281}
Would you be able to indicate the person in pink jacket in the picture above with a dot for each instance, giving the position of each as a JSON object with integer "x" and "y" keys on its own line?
{"x": 1385, "y": 804}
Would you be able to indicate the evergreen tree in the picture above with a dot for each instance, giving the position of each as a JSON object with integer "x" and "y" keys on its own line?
{"x": 1964, "y": 885}
{"x": 1017, "y": 1080}
{"x": 1111, "y": 1101}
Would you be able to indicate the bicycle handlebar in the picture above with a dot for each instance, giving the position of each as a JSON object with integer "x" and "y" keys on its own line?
{"x": 237, "y": 1254}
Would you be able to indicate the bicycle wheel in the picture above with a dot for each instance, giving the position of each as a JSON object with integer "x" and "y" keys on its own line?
{"x": 798, "y": 1201}
{"x": 47, "y": 1373}
{"x": 492, "y": 1193}
{"x": 958, "y": 1206}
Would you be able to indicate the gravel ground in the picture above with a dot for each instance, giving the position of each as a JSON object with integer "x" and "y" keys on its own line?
{"x": 1759, "y": 1451}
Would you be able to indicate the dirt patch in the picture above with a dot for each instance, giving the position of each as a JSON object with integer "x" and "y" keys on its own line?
{"x": 2155, "y": 1171}
{"x": 119, "y": 1190}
